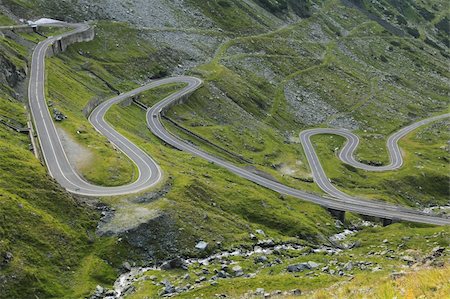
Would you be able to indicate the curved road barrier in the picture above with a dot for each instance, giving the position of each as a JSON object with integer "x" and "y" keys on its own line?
{"x": 149, "y": 172}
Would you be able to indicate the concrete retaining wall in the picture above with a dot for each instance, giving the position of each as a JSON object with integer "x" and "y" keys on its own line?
{"x": 61, "y": 44}
{"x": 181, "y": 100}
{"x": 17, "y": 28}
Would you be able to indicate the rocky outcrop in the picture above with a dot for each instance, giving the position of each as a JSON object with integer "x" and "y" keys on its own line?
{"x": 10, "y": 74}
{"x": 154, "y": 239}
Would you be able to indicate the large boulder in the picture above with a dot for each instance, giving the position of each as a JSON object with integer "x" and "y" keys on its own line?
{"x": 298, "y": 267}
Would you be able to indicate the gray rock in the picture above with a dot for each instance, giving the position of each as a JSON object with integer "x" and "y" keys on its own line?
{"x": 438, "y": 250}
{"x": 237, "y": 270}
{"x": 261, "y": 259}
{"x": 348, "y": 266}
{"x": 176, "y": 263}
{"x": 313, "y": 265}
{"x": 266, "y": 243}
{"x": 7, "y": 257}
{"x": 110, "y": 293}
{"x": 202, "y": 245}
{"x": 126, "y": 266}
{"x": 259, "y": 291}
{"x": 408, "y": 259}
{"x": 296, "y": 292}
{"x": 260, "y": 232}
{"x": 168, "y": 287}
{"x": 298, "y": 267}
{"x": 222, "y": 274}
{"x": 99, "y": 290}
{"x": 128, "y": 290}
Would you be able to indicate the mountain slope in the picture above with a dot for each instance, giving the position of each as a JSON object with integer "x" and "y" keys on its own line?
{"x": 271, "y": 69}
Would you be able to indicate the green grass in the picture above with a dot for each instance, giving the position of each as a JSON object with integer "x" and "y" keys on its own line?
{"x": 44, "y": 228}
{"x": 422, "y": 179}
{"x": 5, "y": 21}
{"x": 240, "y": 110}
{"x": 208, "y": 188}
{"x": 153, "y": 96}
{"x": 70, "y": 92}
{"x": 391, "y": 82}
{"x": 431, "y": 283}
{"x": 120, "y": 55}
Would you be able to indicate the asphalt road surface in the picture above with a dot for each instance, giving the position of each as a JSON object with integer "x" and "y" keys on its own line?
{"x": 346, "y": 203}
{"x": 347, "y": 153}
{"x": 149, "y": 172}
{"x": 51, "y": 146}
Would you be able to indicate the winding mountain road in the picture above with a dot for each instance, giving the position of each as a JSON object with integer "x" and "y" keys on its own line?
{"x": 150, "y": 173}
{"x": 347, "y": 153}
{"x": 53, "y": 152}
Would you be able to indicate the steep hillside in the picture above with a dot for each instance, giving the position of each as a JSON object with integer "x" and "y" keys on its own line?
{"x": 46, "y": 237}
{"x": 244, "y": 16}
{"x": 271, "y": 69}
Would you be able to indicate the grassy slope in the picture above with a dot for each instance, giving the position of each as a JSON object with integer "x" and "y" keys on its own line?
{"x": 349, "y": 72}
{"x": 68, "y": 93}
{"x": 199, "y": 189}
{"x": 205, "y": 202}
{"x": 206, "y": 194}
{"x": 47, "y": 232}
{"x": 5, "y": 21}
{"x": 50, "y": 236}
{"x": 422, "y": 179}
{"x": 428, "y": 282}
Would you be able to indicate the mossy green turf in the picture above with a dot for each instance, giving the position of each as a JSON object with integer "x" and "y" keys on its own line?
{"x": 206, "y": 197}
{"x": 154, "y": 95}
{"x": 367, "y": 75}
{"x": 51, "y": 231}
{"x": 5, "y": 21}
{"x": 52, "y": 237}
{"x": 70, "y": 261}
{"x": 55, "y": 251}
{"x": 422, "y": 180}
{"x": 69, "y": 92}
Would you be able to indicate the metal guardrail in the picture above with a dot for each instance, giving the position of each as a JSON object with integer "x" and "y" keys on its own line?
{"x": 189, "y": 132}
{"x": 13, "y": 124}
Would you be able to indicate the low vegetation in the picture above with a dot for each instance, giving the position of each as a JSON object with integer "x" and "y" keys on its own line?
{"x": 274, "y": 75}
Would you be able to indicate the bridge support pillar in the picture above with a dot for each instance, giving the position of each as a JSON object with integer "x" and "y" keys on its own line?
{"x": 340, "y": 215}
{"x": 386, "y": 221}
